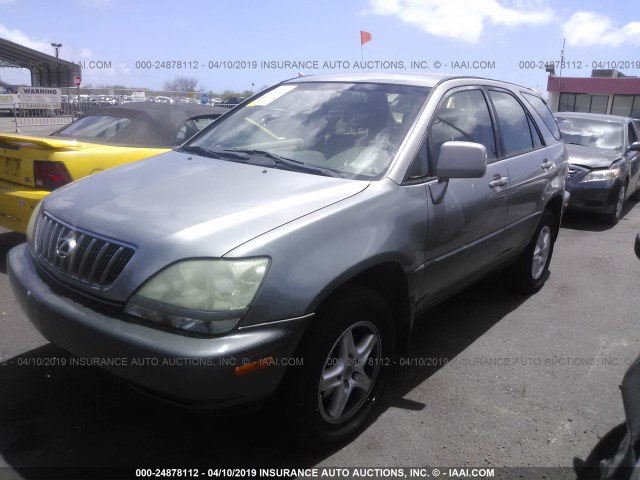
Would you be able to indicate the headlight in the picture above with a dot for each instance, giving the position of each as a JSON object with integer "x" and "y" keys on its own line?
{"x": 599, "y": 175}
{"x": 202, "y": 296}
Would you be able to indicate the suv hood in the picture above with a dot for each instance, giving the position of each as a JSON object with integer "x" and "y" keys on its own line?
{"x": 213, "y": 205}
{"x": 592, "y": 157}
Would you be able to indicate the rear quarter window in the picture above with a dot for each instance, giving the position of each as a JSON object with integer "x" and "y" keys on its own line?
{"x": 545, "y": 114}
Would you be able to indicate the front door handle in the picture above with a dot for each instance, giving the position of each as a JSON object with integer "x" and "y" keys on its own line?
{"x": 498, "y": 181}
{"x": 546, "y": 165}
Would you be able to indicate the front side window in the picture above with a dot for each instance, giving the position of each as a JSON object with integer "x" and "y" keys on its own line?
{"x": 633, "y": 137}
{"x": 190, "y": 127}
{"x": 636, "y": 124}
{"x": 342, "y": 129}
{"x": 462, "y": 116}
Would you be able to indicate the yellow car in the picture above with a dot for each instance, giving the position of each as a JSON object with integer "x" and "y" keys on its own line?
{"x": 31, "y": 167}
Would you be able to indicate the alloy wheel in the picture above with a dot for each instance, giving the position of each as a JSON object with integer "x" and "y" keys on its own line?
{"x": 541, "y": 252}
{"x": 349, "y": 372}
{"x": 620, "y": 202}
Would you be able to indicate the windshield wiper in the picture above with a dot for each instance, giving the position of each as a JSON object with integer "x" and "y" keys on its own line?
{"x": 290, "y": 162}
{"x": 264, "y": 153}
{"x": 217, "y": 154}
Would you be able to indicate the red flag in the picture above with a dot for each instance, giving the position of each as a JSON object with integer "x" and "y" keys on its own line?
{"x": 365, "y": 37}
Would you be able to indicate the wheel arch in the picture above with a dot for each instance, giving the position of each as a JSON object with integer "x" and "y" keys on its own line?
{"x": 554, "y": 205}
{"x": 386, "y": 278}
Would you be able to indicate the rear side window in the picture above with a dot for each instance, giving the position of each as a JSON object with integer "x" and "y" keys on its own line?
{"x": 513, "y": 122}
{"x": 95, "y": 126}
{"x": 462, "y": 116}
{"x": 541, "y": 109}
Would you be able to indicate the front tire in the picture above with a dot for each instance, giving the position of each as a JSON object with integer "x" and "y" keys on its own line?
{"x": 531, "y": 270}
{"x": 614, "y": 217}
{"x": 346, "y": 354}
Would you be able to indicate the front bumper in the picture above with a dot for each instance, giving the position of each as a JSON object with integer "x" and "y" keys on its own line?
{"x": 596, "y": 197}
{"x": 184, "y": 369}
{"x": 17, "y": 203}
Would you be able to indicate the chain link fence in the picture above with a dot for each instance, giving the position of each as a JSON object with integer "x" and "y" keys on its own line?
{"x": 77, "y": 101}
{"x": 119, "y": 95}
{"x": 49, "y": 113}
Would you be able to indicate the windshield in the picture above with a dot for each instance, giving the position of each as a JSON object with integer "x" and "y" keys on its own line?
{"x": 592, "y": 133}
{"x": 352, "y": 130}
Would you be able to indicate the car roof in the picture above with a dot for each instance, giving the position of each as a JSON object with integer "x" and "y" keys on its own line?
{"x": 593, "y": 116}
{"x": 426, "y": 80}
{"x": 152, "y": 124}
{"x": 414, "y": 79}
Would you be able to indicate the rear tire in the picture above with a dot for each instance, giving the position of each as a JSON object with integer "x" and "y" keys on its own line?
{"x": 331, "y": 398}
{"x": 531, "y": 270}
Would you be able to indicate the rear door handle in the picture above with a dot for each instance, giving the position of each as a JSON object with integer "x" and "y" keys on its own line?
{"x": 546, "y": 165}
{"x": 498, "y": 181}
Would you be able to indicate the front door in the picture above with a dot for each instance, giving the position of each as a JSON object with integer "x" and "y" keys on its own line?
{"x": 466, "y": 215}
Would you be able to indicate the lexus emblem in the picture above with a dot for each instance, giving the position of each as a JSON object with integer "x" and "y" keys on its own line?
{"x": 66, "y": 245}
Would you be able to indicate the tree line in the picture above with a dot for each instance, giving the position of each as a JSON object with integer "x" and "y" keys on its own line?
{"x": 178, "y": 84}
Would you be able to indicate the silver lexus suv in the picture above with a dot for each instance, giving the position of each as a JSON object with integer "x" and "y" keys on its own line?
{"x": 285, "y": 251}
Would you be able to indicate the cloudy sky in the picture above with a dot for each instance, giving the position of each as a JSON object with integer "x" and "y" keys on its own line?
{"x": 245, "y": 44}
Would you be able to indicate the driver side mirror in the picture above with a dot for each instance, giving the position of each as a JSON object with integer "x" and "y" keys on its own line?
{"x": 634, "y": 147}
{"x": 461, "y": 160}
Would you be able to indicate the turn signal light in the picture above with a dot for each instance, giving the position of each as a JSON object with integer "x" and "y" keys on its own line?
{"x": 253, "y": 366}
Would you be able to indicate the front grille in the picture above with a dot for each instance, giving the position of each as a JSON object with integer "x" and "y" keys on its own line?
{"x": 82, "y": 256}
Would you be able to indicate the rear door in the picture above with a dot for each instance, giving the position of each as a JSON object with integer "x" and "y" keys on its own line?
{"x": 530, "y": 167}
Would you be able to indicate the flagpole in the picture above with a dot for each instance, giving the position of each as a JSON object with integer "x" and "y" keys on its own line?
{"x": 364, "y": 38}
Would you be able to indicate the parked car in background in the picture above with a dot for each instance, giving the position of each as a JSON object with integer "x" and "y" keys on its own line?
{"x": 233, "y": 100}
{"x": 230, "y": 102}
{"x": 604, "y": 158}
{"x": 99, "y": 101}
{"x": 290, "y": 246}
{"x": 104, "y": 137}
